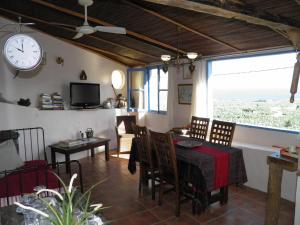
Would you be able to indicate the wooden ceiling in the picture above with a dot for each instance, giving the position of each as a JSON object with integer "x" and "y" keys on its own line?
{"x": 152, "y": 29}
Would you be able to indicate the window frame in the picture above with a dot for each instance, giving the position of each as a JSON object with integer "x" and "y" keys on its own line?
{"x": 240, "y": 56}
{"x": 146, "y": 71}
{"x": 129, "y": 89}
{"x": 158, "y": 111}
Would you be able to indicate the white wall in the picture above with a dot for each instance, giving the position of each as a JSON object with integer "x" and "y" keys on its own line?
{"x": 56, "y": 78}
{"x": 62, "y": 124}
{"x": 51, "y": 78}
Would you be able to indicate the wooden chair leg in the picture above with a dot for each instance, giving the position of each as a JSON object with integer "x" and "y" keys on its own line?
{"x": 118, "y": 151}
{"x": 161, "y": 187}
{"x": 141, "y": 180}
{"x": 153, "y": 184}
{"x": 177, "y": 202}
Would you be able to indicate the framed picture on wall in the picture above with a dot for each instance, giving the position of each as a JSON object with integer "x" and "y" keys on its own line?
{"x": 185, "y": 94}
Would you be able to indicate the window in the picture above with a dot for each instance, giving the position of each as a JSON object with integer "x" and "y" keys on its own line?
{"x": 137, "y": 89}
{"x": 158, "y": 90}
{"x": 255, "y": 90}
{"x": 149, "y": 88}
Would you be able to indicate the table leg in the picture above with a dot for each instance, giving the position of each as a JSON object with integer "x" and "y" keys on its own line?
{"x": 67, "y": 156}
{"x": 224, "y": 194}
{"x": 107, "y": 151}
{"x": 92, "y": 152}
{"x": 274, "y": 193}
{"x": 53, "y": 158}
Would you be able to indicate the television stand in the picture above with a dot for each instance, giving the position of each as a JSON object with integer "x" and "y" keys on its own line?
{"x": 74, "y": 146}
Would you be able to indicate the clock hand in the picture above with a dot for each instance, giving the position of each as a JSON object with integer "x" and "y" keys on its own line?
{"x": 20, "y": 50}
{"x": 22, "y": 46}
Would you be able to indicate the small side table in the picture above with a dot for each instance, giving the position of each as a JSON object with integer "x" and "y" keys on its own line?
{"x": 277, "y": 164}
{"x": 86, "y": 145}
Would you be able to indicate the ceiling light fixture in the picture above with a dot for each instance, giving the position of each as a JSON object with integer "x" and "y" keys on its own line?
{"x": 179, "y": 58}
{"x": 191, "y": 56}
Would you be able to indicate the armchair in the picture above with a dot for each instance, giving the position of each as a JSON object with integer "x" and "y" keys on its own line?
{"x": 124, "y": 133}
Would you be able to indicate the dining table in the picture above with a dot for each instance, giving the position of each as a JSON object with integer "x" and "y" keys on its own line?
{"x": 209, "y": 166}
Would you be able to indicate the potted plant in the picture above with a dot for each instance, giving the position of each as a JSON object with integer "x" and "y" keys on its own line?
{"x": 69, "y": 206}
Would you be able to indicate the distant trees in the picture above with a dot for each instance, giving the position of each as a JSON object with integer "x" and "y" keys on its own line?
{"x": 275, "y": 113}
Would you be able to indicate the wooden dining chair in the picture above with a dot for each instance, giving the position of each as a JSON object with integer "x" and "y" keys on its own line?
{"x": 148, "y": 170}
{"x": 222, "y": 132}
{"x": 199, "y": 128}
{"x": 124, "y": 133}
{"x": 167, "y": 164}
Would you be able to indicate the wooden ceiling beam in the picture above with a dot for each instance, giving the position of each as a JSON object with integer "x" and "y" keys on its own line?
{"x": 232, "y": 11}
{"x": 71, "y": 30}
{"x": 103, "y": 23}
{"x": 190, "y": 29}
{"x": 97, "y": 53}
{"x": 109, "y": 42}
{"x": 102, "y": 51}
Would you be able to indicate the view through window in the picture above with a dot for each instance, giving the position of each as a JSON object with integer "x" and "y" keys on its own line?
{"x": 255, "y": 90}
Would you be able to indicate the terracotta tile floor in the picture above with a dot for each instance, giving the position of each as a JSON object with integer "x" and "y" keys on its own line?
{"x": 120, "y": 191}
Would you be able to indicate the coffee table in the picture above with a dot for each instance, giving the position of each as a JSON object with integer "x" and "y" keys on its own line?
{"x": 81, "y": 145}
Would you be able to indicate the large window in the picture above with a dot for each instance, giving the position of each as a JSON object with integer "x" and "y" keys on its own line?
{"x": 148, "y": 89}
{"x": 255, "y": 90}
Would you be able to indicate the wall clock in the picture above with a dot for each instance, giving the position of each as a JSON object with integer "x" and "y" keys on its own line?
{"x": 22, "y": 52}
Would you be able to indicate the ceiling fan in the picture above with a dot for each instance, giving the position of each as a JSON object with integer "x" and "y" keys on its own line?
{"x": 18, "y": 24}
{"x": 87, "y": 29}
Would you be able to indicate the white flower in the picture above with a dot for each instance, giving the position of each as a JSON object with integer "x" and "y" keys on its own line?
{"x": 52, "y": 191}
{"x": 71, "y": 182}
{"x": 96, "y": 206}
{"x": 31, "y": 209}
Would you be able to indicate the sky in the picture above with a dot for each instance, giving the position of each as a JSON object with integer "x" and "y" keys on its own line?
{"x": 259, "y": 76}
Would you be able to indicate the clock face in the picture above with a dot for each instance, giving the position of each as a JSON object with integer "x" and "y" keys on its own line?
{"x": 22, "y": 52}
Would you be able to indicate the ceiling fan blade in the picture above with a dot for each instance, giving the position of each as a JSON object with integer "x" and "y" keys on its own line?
{"x": 27, "y": 24}
{"x": 78, "y": 35}
{"x": 114, "y": 30}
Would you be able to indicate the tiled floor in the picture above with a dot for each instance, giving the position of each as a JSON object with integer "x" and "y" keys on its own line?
{"x": 120, "y": 193}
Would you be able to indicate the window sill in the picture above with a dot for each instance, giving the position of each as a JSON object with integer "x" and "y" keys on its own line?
{"x": 269, "y": 128}
{"x": 136, "y": 110}
{"x": 158, "y": 112}
{"x": 246, "y": 146}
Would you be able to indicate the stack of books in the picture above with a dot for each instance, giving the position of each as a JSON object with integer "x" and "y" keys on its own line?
{"x": 58, "y": 102}
{"x": 46, "y": 102}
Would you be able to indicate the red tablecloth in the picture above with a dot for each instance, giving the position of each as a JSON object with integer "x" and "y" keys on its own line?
{"x": 221, "y": 161}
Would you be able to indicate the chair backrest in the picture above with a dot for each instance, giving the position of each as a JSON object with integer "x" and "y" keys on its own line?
{"x": 143, "y": 144}
{"x": 128, "y": 121}
{"x": 222, "y": 132}
{"x": 166, "y": 155}
{"x": 199, "y": 128}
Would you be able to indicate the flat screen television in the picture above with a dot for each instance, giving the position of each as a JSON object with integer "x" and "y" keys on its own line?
{"x": 84, "y": 95}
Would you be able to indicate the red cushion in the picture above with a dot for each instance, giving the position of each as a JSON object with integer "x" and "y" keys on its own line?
{"x": 24, "y": 181}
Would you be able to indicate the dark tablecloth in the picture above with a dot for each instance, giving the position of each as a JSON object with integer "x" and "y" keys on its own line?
{"x": 203, "y": 164}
